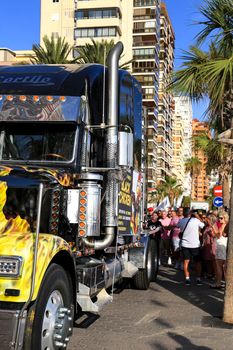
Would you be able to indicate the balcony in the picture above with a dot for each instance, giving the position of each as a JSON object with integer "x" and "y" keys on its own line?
{"x": 152, "y": 164}
{"x": 144, "y": 30}
{"x": 151, "y": 150}
{"x": 161, "y": 154}
{"x": 95, "y": 32}
{"x": 145, "y": 39}
{"x": 149, "y": 97}
{"x": 151, "y": 173}
{"x": 152, "y": 125}
{"x": 145, "y": 3}
{"x": 142, "y": 17}
{"x": 151, "y": 138}
{"x": 144, "y": 57}
{"x": 98, "y": 22}
{"x": 152, "y": 111}
{"x": 148, "y": 43}
{"x": 93, "y": 4}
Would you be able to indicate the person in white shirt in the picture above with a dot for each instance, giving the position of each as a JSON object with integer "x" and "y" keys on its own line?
{"x": 190, "y": 243}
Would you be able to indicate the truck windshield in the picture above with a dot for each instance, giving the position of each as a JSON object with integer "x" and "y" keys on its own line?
{"x": 37, "y": 141}
{"x": 38, "y": 128}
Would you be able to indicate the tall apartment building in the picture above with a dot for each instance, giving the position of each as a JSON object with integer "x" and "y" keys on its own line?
{"x": 137, "y": 24}
{"x": 166, "y": 107}
{"x": 200, "y": 181}
{"x": 80, "y": 20}
{"x": 146, "y": 36}
{"x": 178, "y": 162}
{"x": 101, "y": 19}
{"x": 183, "y": 110}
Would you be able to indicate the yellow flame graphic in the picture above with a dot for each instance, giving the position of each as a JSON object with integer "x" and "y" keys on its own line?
{"x": 13, "y": 225}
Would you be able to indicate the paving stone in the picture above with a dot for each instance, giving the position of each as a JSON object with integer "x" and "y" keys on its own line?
{"x": 168, "y": 316}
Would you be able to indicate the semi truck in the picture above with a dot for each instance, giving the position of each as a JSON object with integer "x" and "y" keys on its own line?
{"x": 71, "y": 197}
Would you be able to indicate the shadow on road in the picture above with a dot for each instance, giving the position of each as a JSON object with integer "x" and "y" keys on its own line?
{"x": 207, "y": 299}
{"x": 184, "y": 343}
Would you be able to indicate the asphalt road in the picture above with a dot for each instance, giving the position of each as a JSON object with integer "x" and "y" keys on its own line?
{"x": 168, "y": 316}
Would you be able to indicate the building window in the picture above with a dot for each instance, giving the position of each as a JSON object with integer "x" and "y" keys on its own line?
{"x": 138, "y": 3}
{"x": 95, "y": 32}
{"x": 94, "y": 13}
{"x": 144, "y": 53}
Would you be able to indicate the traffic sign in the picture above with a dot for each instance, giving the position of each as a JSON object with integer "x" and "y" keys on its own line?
{"x": 218, "y": 202}
{"x": 218, "y": 191}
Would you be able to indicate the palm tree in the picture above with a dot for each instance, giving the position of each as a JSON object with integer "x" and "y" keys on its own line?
{"x": 186, "y": 201}
{"x": 97, "y": 52}
{"x": 218, "y": 16}
{"x": 207, "y": 74}
{"x": 193, "y": 166}
{"x": 171, "y": 188}
{"x": 219, "y": 158}
{"x": 157, "y": 195}
{"x": 53, "y": 51}
{"x": 211, "y": 74}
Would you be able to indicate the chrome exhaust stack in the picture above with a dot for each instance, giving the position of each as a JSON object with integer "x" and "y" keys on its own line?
{"x": 99, "y": 245}
{"x": 111, "y": 188}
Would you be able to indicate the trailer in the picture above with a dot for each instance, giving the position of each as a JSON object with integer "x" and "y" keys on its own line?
{"x": 71, "y": 197}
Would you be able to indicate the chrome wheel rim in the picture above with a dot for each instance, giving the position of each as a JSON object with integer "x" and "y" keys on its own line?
{"x": 57, "y": 323}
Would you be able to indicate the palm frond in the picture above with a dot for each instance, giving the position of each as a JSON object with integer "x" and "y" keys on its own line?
{"x": 189, "y": 79}
{"x": 218, "y": 22}
{"x": 219, "y": 75}
{"x": 97, "y": 52}
{"x": 53, "y": 51}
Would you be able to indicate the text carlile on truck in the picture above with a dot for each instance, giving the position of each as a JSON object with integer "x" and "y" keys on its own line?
{"x": 71, "y": 197}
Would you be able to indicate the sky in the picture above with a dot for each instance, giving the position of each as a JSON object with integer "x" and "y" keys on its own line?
{"x": 20, "y": 26}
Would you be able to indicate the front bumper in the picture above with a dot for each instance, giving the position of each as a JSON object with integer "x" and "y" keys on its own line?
{"x": 9, "y": 327}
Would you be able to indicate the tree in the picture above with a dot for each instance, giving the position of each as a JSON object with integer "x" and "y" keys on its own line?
{"x": 192, "y": 166}
{"x": 207, "y": 74}
{"x": 97, "y": 52}
{"x": 211, "y": 74}
{"x": 53, "y": 51}
{"x": 186, "y": 201}
{"x": 156, "y": 196}
{"x": 219, "y": 158}
{"x": 20, "y": 63}
{"x": 171, "y": 188}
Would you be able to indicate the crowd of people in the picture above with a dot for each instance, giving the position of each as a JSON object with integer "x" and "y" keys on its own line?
{"x": 189, "y": 237}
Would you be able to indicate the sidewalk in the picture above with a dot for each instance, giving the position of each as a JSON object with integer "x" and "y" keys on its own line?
{"x": 169, "y": 316}
{"x": 191, "y": 315}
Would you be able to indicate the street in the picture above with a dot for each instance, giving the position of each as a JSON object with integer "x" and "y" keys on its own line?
{"x": 169, "y": 316}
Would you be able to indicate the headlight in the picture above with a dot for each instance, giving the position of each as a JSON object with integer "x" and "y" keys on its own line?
{"x": 10, "y": 266}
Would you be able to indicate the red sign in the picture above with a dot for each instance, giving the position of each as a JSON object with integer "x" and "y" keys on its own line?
{"x": 218, "y": 191}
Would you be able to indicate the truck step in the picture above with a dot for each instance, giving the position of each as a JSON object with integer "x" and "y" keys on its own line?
{"x": 86, "y": 303}
{"x": 129, "y": 270}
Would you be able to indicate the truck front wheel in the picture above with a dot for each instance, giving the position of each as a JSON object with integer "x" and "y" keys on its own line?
{"x": 50, "y": 319}
{"x": 144, "y": 276}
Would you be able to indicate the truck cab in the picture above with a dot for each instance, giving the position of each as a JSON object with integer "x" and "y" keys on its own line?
{"x": 71, "y": 199}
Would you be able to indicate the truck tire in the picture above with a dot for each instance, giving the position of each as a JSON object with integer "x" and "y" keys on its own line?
{"x": 155, "y": 259}
{"x": 50, "y": 319}
{"x": 144, "y": 276}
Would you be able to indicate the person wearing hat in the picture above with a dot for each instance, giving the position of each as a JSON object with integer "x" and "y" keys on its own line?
{"x": 147, "y": 217}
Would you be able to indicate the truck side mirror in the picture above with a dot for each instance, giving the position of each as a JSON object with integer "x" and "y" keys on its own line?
{"x": 125, "y": 149}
